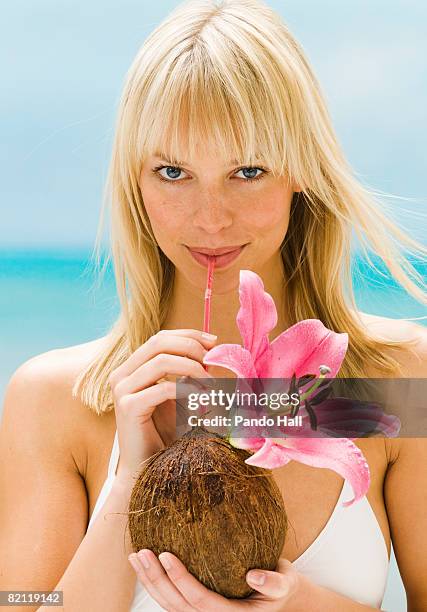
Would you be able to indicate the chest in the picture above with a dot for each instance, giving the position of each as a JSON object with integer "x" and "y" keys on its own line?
{"x": 311, "y": 494}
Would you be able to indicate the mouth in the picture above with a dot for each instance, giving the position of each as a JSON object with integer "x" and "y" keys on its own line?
{"x": 221, "y": 261}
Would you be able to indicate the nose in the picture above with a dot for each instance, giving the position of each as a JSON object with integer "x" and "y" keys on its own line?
{"x": 212, "y": 214}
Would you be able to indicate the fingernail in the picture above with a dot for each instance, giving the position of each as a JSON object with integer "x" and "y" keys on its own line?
{"x": 144, "y": 559}
{"x": 209, "y": 336}
{"x": 134, "y": 563}
{"x": 165, "y": 562}
{"x": 256, "y": 578}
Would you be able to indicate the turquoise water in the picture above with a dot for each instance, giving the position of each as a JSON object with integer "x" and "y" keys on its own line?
{"x": 49, "y": 299}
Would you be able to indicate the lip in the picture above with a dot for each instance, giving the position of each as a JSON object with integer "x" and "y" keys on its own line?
{"x": 218, "y": 251}
{"x": 221, "y": 261}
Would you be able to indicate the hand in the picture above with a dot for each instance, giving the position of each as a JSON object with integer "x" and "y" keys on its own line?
{"x": 176, "y": 590}
{"x": 138, "y": 391}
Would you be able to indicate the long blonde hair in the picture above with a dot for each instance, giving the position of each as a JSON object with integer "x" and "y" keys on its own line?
{"x": 230, "y": 72}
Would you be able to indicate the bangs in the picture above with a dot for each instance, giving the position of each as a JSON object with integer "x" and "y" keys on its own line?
{"x": 202, "y": 101}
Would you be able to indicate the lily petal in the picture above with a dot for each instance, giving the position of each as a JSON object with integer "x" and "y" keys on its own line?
{"x": 355, "y": 418}
{"x": 302, "y": 348}
{"x": 250, "y": 444}
{"x": 269, "y": 456}
{"x": 232, "y": 356}
{"x": 257, "y": 315}
{"x": 338, "y": 454}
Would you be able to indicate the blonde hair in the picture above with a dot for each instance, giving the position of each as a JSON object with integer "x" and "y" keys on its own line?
{"x": 231, "y": 73}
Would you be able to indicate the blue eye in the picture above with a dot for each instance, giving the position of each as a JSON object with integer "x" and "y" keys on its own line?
{"x": 173, "y": 173}
{"x": 251, "y": 170}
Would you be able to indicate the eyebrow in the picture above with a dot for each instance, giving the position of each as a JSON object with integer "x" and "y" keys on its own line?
{"x": 232, "y": 162}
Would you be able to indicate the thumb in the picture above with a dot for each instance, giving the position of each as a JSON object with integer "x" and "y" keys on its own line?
{"x": 275, "y": 585}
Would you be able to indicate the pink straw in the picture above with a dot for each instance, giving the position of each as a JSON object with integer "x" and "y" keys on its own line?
{"x": 208, "y": 296}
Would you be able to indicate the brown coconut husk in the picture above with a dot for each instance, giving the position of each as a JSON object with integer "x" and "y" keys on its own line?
{"x": 221, "y": 517}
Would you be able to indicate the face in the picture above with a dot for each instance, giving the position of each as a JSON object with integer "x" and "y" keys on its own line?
{"x": 213, "y": 203}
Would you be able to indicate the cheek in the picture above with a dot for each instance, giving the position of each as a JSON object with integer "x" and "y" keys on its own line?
{"x": 270, "y": 213}
{"x": 165, "y": 215}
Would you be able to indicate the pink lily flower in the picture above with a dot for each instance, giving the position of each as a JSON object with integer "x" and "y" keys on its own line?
{"x": 302, "y": 349}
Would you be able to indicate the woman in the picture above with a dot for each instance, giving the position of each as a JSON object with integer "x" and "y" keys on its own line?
{"x": 223, "y": 139}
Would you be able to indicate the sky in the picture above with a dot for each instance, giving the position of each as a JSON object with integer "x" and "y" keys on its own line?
{"x": 62, "y": 67}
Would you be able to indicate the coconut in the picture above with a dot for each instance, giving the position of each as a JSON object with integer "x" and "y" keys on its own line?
{"x": 221, "y": 517}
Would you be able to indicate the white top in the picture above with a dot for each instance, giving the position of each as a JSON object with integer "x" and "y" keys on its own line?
{"x": 349, "y": 556}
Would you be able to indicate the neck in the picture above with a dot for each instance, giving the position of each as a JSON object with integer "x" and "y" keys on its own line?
{"x": 188, "y": 303}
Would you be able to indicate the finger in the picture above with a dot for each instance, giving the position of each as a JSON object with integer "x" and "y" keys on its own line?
{"x": 194, "y": 592}
{"x": 158, "y": 391}
{"x": 157, "y": 583}
{"x": 161, "y": 366}
{"x": 274, "y": 585}
{"x": 140, "y": 355}
{"x": 186, "y": 385}
{"x": 141, "y": 577}
{"x": 157, "y": 394}
{"x": 205, "y": 338}
{"x": 141, "y": 405}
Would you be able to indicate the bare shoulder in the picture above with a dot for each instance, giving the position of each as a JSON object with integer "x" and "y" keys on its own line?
{"x": 66, "y": 360}
{"x": 40, "y": 393}
{"x": 52, "y": 450}
{"x": 413, "y": 360}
